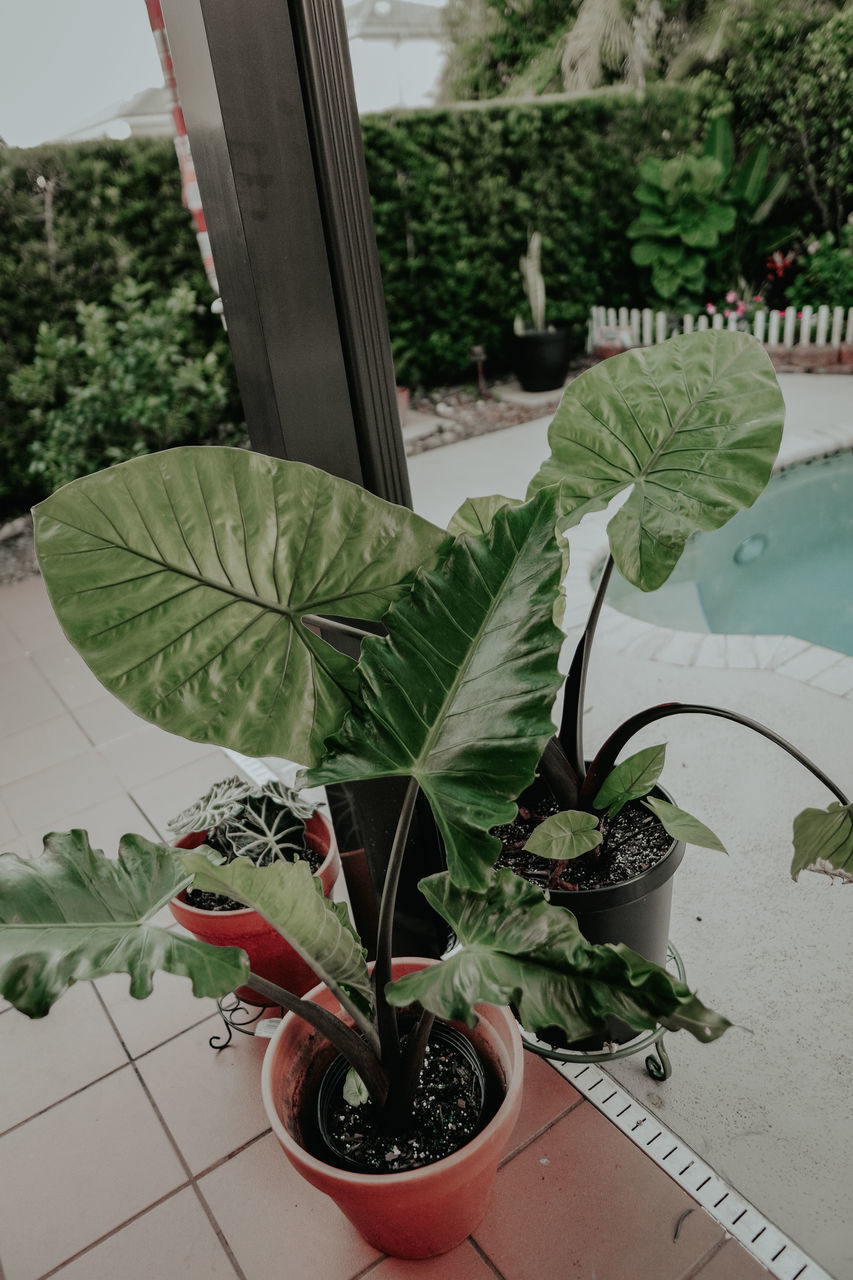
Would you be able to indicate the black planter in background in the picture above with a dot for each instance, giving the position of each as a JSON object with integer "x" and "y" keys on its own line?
{"x": 540, "y": 358}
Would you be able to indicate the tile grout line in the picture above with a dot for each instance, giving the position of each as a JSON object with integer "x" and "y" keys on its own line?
{"x": 106, "y": 1075}
{"x": 191, "y": 1177}
{"x": 516, "y": 1151}
{"x": 769, "y": 1245}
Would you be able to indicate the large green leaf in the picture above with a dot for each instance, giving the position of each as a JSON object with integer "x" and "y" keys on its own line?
{"x": 516, "y": 948}
{"x": 459, "y": 694}
{"x": 73, "y": 914}
{"x": 823, "y": 841}
{"x": 183, "y": 579}
{"x": 693, "y": 424}
{"x": 291, "y": 899}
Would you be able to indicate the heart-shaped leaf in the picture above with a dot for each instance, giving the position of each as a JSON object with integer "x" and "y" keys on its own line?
{"x": 631, "y": 779}
{"x": 73, "y": 915}
{"x": 823, "y": 841}
{"x": 291, "y": 899}
{"x": 682, "y": 825}
{"x": 183, "y": 579}
{"x": 516, "y": 948}
{"x": 459, "y": 693}
{"x": 565, "y": 836}
{"x": 693, "y": 424}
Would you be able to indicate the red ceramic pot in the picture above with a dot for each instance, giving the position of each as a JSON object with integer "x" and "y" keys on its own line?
{"x": 420, "y": 1213}
{"x": 269, "y": 955}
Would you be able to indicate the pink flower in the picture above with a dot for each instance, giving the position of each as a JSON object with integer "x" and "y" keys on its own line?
{"x": 741, "y": 307}
{"x": 710, "y": 308}
{"x": 727, "y": 312}
{"x": 731, "y": 296}
{"x": 756, "y": 297}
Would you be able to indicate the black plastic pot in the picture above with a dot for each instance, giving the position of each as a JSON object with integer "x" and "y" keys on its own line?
{"x": 333, "y": 1082}
{"x": 540, "y": 358}
{"x": 635, "y": 913}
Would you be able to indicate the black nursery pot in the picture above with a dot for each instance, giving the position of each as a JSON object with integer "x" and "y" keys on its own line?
{"x": 636, "y": 913}
{"x": 541, "y": 359}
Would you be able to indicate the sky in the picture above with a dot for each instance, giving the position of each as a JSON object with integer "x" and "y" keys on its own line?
{"x": 64, "y": 61}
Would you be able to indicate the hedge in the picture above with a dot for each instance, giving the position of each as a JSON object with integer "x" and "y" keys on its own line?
{"x": 455, "y": 194}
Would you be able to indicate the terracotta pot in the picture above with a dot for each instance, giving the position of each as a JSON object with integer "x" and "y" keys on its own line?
{"x": 269, "y": 955}
{"x": 420, "y": 1213}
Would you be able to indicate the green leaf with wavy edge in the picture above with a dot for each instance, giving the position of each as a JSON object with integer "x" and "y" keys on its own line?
{"x": 476, "y": 514}
{"x": 459, "y": 693}
{"x": 681, "y": 825}
{"x": 291, "y": 899}
{"x": 631, "y": 779}
{"x": 565, "y": 836}
{"x": 73, "y": 914}
{"x": 692, "y": 425}
{"x": 823, "y": 841}
{"x": 516, "y": 948}
{"x": 183, "y": 578}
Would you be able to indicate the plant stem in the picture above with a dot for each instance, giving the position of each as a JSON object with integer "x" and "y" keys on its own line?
{"x": 570, "y": 735}
{"x": 607, "y": 756}
{"x": 386, "y": 1018}
{"x": 347, "y": 1041}
{"x": 404, "y": 1082}
{"x": 332, "y": 624}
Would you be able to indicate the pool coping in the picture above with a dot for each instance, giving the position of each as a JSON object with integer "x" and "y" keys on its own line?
{"x": 800, "y": 660}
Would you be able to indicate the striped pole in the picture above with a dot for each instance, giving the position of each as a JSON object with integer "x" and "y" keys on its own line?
{"x": 189, "y": 184}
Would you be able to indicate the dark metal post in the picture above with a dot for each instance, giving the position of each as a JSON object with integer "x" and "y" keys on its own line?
{"x": 268, "y": 99}
{"x": 267, "y": 94}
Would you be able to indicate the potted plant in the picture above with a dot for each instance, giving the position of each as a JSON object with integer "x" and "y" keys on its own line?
{"x": 195, "y": 582}
{"x": 541, "y": 354}
{"x": 237, "y": 819}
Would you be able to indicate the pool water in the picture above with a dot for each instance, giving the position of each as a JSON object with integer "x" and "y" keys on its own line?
{"x": 783, "y": 567}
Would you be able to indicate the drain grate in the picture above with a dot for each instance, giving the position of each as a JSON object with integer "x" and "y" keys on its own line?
{"x": 770, "y": 1246}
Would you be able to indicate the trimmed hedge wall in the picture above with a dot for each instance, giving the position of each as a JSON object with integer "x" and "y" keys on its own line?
{"x": 456, "y": 192}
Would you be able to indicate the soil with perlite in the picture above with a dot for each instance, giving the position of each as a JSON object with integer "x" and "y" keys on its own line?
{"x": 632, "y": 842}
{"x": 449, "y": 1108}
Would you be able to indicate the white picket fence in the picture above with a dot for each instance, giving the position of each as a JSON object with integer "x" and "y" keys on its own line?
{"x": 814, "y": 326}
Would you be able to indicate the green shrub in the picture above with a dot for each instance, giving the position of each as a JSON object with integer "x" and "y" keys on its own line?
{"x": 703, "y": 221}
{"x": 826, "y": 276}
{"x": 74, "y": 221}
{"x": 789, "y": 80}
{"x": 130, "y": 380}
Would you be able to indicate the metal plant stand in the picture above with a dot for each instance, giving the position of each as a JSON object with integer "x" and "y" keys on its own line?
{"x": 658, "y": 1064}
{"x": 239, "y": 1015}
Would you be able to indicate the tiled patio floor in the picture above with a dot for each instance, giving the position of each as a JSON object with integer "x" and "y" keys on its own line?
{"x": 130, "y": 1149}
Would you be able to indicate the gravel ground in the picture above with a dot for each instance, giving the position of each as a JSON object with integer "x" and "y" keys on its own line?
{"x": 17, "y": 554}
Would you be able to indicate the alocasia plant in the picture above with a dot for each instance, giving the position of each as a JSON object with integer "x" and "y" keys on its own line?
{"x": 195, "y": 584}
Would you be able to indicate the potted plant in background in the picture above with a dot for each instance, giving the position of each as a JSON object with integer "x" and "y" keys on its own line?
{"x": 203, "y": 616}
{"x": 265, "y": 824}
{"x": 541, "y": 354}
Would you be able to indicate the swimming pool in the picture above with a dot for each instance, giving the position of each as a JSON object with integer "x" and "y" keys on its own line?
{"x": 783, "y": 567}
